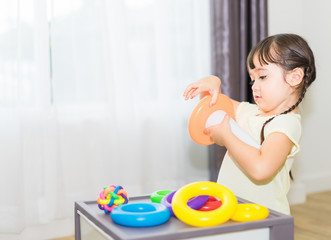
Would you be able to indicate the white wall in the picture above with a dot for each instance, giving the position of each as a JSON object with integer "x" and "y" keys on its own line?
{"x": 312, "y": 20}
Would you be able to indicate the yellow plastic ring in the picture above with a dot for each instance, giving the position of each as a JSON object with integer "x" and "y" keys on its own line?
{"x": 250, "y": 212}
{"x": 202, "y": 218}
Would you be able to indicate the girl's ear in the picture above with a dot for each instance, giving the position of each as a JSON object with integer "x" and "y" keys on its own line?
{"x": 294, "y": 77}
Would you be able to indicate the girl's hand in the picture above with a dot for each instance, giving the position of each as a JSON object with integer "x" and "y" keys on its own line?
{"x": 218, "y": 133}
{"x": 210, "y": 84}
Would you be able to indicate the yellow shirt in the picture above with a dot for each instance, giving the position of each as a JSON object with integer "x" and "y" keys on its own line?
{"x": 273, "y": 192}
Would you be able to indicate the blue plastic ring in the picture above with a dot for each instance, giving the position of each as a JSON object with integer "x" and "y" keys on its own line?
{"x": 140, "y": 214}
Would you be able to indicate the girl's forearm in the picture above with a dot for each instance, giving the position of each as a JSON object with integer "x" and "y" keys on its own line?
{"x": 249, "y": 158}
{"x": 260, "y": 164}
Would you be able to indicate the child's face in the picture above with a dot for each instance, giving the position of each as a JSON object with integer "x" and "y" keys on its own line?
{"x": 271, "y": 92}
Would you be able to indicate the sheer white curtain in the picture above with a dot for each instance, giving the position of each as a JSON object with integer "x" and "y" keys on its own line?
{"x": 91, "y": 95}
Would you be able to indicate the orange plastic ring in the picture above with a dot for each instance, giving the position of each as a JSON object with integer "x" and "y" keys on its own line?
{"x": 201, "y": 113}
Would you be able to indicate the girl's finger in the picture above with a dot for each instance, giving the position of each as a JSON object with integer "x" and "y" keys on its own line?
{"x": 226, "y": 118}
{"x": 208, "y": 130}
{"x": 189, "y": 88}
{"x": 213, "y": 100}
{"x": 191, "y": 94}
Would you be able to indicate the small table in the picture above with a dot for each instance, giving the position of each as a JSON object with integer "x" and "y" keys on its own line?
{"x": 92, "y": 223}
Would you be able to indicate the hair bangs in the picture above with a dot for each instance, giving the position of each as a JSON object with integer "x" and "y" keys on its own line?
{"x": 266, "y": 52}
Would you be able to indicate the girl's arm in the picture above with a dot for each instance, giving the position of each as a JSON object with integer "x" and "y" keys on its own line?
{"x": 258, "y": 164}
{"x": 207, "y": 85}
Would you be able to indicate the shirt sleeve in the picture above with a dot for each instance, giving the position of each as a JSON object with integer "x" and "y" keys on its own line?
{"x": 288, "y": 124}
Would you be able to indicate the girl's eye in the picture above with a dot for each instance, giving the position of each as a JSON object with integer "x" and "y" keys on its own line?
{"x": 263, "y": 77}
{"x": 252, "y": 82}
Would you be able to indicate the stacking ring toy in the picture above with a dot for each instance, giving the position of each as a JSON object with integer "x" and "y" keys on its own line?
{"x": 201, "y": 113}
{"x": 159, "y": 195}
{"x": 211, "y": 204}
{"x": 140, "y": 214}
{"x": 202, "y": 218}
{"x": 250, "y": 212}
{"x": 194, "y": 203}
{"x": 110, "y": 197}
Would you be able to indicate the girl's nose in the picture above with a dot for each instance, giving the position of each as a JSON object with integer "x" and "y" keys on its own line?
{"x": 253, "y": 84}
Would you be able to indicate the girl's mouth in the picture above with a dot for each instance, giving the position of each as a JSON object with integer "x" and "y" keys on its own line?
{"x": 257, "y": 98}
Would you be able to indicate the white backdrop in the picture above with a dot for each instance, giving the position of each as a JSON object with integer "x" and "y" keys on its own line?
{"x": 91, "y": 95}
{"x": 312, "y": 167}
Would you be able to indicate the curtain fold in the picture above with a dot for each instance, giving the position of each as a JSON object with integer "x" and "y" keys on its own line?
{"x": 91, "y": 95}
{"x": 236, "y": 26}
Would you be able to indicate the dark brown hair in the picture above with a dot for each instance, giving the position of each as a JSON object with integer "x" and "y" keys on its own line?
{"x": 289, "y": 51}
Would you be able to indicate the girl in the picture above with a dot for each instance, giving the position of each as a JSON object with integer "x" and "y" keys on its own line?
{"x": 281, "y": 67}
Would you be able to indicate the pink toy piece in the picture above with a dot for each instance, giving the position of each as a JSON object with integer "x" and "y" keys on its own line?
{"x": 111, "y": 197}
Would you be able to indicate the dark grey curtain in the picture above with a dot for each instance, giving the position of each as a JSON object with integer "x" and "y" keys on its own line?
{"x": 236, "y": 26}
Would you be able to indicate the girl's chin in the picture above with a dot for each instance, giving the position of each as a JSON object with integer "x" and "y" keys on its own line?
{"x": 260, "y": 107}
{"x": 257, "y": 100}
{"x": 258, "y": 103}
